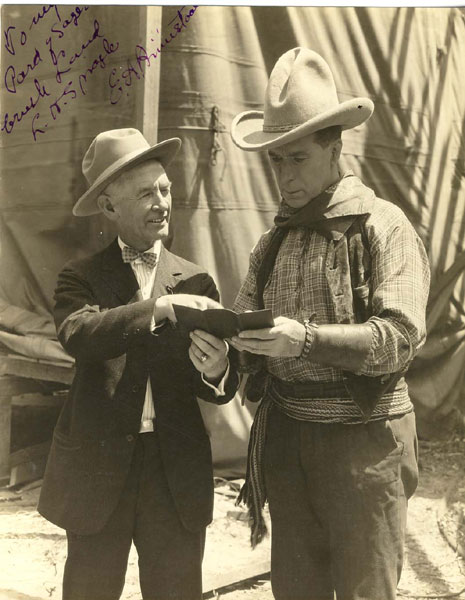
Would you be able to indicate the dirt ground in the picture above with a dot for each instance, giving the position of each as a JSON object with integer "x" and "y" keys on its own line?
{"x": 32, "y": 551}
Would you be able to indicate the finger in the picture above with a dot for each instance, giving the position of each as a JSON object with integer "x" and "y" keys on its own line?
{"x": 252, "y": 351}
{"x": 204, "y": 346}
{"x": 210, "y": 303}
{"x": 200, "y": 353}
{"x": 195, "y": 361}
{"x": 217, "y": 343}
{"x": 256, "y": 346}
{"x": 203, "y": 359}
{"x": 269, "y": 333}
{"x": 234, "y": 344}
{"x": 251, "y": 342}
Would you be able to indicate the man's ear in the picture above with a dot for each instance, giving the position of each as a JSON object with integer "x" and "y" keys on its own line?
{"x": 336, "y": 151}
{"x": 105, "y": 205}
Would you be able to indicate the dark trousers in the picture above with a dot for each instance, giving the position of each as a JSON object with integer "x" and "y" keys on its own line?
{"x": 170, "y": 556}
{"x": 338, "y": 503}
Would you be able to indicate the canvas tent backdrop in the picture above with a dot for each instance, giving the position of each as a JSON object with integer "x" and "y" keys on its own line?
{"x": 412, "y": 151}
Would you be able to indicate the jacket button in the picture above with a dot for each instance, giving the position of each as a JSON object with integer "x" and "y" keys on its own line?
{"x": 130, "y": 438}
{"x": 135, "y": 388}
{"x": 125, "y": 335}
{"x": 102, "y": 442}
{"x": 137, "y": 330}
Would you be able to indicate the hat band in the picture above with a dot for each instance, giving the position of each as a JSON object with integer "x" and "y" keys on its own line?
{"x": 116, "y": 165}
{"x": 273, "y": 128}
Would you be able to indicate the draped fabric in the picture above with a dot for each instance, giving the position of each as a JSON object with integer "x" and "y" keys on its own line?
{"x": 411, "y": 152}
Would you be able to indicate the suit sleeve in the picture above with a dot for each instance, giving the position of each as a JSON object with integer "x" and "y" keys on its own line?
{"x": 89, "y": 332}
{"x": 204, "y": 391}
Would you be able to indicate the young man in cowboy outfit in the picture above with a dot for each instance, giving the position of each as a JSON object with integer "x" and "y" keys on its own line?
{"x": 130, "y": 459}
{"x": 333, "y": 446}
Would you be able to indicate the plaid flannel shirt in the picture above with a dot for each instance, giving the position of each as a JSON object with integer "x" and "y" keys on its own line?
{"x": 298, "y": 288}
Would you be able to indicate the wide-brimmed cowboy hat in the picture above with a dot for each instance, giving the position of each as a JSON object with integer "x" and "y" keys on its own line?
{"x": 111, "y": 153}
{"x": 300, "y": 98}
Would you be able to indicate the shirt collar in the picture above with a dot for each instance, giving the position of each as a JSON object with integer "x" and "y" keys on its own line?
{"x": 286, "y": 211}
{"x": 155, "y": 249}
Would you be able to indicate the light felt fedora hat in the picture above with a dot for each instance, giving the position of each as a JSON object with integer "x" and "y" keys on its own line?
{"x": 111, "y": 153}
{"x": 300, "y": 98}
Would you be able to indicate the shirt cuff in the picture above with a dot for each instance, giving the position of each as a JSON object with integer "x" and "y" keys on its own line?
{"x": 218, "y": 389}
{"x": 155, "y": 328}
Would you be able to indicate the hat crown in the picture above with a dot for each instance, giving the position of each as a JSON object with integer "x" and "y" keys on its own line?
{"x": 301, "y": 87}
{"x": 108, "y": 148}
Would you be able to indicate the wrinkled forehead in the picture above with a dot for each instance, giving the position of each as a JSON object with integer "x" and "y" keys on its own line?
{"x": 299, "y": 146}
{"x": 149, "y": 173}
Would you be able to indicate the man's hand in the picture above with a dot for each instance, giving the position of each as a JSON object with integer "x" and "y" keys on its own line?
{"x": 286, "y": 339}
{"x": 163, "y": 308}
{"x": 209, "y": 355}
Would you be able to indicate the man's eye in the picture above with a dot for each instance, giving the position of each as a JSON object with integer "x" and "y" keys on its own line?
{"x": 298, "y": 159}
{"x": 165, "y": 190}
{"x": 275, "y": 159}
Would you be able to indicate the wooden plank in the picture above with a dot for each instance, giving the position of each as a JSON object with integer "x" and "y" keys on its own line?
{"x": 28, "y": 464}
{"x": 148, "y": 93}
{"x": 36, "y": 369}
{"x": 28, "y": 471}
{"x": 13, "y": 386}
{"x": 29, "y": 454}
{"x": 5, "y": 426}
{"x": 5, "y": 432}
{"x": 38, "y": 400}
{"x": 221, "y": 580}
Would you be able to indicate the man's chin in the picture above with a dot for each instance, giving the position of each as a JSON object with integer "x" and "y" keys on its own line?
{"x": 154, "y": 236}
{"x": 297, "y": 202}
{"x": 158, "y": 232}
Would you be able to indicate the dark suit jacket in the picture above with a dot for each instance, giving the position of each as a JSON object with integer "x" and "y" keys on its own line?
{"x": 103, "y": 322}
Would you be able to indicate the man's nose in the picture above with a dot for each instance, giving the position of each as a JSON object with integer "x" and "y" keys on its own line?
{"x": 286, "y": 171}
{"x": 158, "y": 201}
{"x": 158, "y": 204}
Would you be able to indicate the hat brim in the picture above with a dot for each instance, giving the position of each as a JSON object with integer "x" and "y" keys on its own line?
{"x": 164, "y": 152}
{"x": 247, "y": 127}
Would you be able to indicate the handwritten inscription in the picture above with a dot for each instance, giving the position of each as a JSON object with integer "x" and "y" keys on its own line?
{"x": 122, "y": 78}
{"x": 73, "y": 63}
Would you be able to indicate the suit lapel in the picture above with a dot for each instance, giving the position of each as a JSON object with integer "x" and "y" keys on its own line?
{"x": 168, "y": 274}
{"x": 119, "y": 275}
{"x": 120, "y": 278}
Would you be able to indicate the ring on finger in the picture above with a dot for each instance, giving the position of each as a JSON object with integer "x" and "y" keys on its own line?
{"x": 203, "y": 358}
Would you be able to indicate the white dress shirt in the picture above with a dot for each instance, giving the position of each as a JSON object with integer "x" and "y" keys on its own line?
{"x": 145, "y": 277}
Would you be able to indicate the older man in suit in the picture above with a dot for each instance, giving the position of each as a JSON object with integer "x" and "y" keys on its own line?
{"x": 130, "y": 458}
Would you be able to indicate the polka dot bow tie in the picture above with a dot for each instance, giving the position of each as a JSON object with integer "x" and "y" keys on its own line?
{"x": 130, "y": 254}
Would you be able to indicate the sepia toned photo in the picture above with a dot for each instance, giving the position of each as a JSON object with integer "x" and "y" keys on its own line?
{"x": 232, "y": 302}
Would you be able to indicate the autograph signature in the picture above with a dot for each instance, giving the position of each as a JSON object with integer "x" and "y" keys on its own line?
{"x": 119, "y": 79}
{"x": 48, "y": 100}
